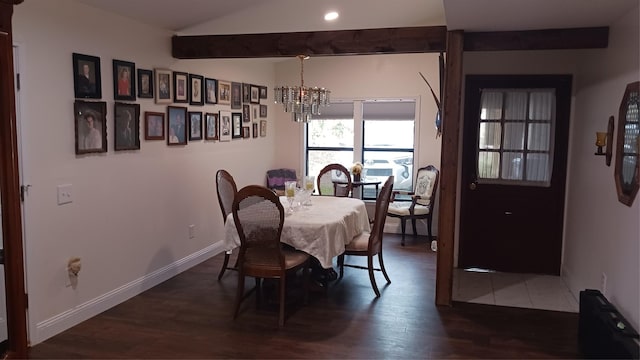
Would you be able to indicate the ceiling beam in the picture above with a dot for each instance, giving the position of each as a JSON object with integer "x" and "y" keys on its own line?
{"x": 550, "y": 39}
{"x": 319, "y": 43}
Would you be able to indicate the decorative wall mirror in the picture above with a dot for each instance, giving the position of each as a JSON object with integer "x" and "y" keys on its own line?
{"x": 628, "y": 145}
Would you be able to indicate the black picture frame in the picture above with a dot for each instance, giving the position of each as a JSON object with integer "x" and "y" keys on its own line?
{"x": 153, "y": 125}
{"x": 163, "y": 86}
{"x": 176, "y": 125}
{"x": 246, "y": 93}
{"x": 145, "y": 84}
{"x": 236, "y": 129}
{"x": 255, "y": 94}
{"x": 196, "y": 86}
{"x": 246, "y": 132}
{"x": 211, "y": 91}
{"x": 211, "y": 126}
{"x": 263, "y": 92}
{"x": 255, "y": 129}
{"x": 263, "y": 111}
{"x": 195, "y": 125}
{"x": 246, "y": 113}
{"x": 180, "y": 87}
{"x": 87, "y": 83}
{"x": 126, "y": 126}
{"x": 124, "y": 84}
{"x": 90, "y": 123}
{"x": 236, "y": 95}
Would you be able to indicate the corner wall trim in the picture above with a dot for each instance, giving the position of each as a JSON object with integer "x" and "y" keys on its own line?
{"x": 67, "y": 319}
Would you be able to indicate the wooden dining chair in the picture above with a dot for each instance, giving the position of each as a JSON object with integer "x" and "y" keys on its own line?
{"x": 422, "y": 200}
{"x": 259, "y": 216}
{"x": 226, "y": 189}
{"x": 369, "y": 244}
{"x": 327, "y": 177}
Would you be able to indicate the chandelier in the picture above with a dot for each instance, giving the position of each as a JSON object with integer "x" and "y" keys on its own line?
{"x": 301, "y": 101}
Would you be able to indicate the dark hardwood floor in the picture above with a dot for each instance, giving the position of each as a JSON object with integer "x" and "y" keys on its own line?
{"x": 190, "y": 316}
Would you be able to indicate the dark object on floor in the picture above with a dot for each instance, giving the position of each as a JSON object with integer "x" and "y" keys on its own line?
{"x": 603, "y": 333}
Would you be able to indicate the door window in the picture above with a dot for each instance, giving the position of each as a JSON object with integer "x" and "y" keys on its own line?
{"x": 515, "y": 136}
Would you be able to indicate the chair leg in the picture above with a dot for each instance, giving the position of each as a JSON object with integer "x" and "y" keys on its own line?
{"x": 372, "y": 276}
{"x": 224, "y": 265}
{"x": 403, "y": 225}
{"x": 413, "y": 224}
{"x": 429, "y": 228}
{"x": 282, "y": 296}
{"x": 384, "y": 271}
{"x": 258, "y": 292}
{"x": 305, "y": 277}
{"x": 239, "y": 294}
{"x": 341, "y": 264}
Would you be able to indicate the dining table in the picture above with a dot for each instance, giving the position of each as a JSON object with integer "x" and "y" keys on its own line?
{"x": 321, "y": 228}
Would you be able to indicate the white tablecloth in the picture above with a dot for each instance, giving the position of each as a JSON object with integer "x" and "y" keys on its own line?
{"x": 321, "y": 230}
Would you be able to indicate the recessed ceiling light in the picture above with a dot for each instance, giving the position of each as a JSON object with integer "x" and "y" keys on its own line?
{"x": 330, "y": 16}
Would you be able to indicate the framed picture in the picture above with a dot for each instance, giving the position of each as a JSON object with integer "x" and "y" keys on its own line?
{"x": 246, "y": 93}
{"x": 153, "y": 125}
{"x": 236, "y": 122}
{"x": 246, "y": 132}
{"x": 86, "y": 81}
{"x": 195, "y": 125}
{"x": 246, "y": 113}
{"x": 180, "y": 94}
{"x": 124, "y": 86}
{"x": 236, "y": 95}
{"x": 195, "y": 90}
{"x": 225, "y": 125}
{"x": 211, "y": 94}
{"x": 163, "y": 86}
{"x": 176, "y": 129}
{"x": 255, "y": 95}
{"x": 127, "y": 126}
{"x": 211, "y": 126}
{"x": 255, "y": 111}
{"x": 263, "y": 92}
{"x": 263, "y": 128}
{"x": 224, "y": 92}
{"x": 90, "y": 124}
{"x": 255, "y": 129}
{"x": 263, "y": 111}
{"x": 145, "y": 84}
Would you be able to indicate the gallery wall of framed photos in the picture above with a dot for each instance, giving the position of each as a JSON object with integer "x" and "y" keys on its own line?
{"x": 198, "y": 107}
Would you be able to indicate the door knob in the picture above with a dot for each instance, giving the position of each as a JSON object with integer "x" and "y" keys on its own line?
{"x": 472, "y": 186}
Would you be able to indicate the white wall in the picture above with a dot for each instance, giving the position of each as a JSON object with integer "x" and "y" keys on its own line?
{"x": 601, "y": 234}
{"x": 365, "y": 77}
{"x": 131, "y": 209}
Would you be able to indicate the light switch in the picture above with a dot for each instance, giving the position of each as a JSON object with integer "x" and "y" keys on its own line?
{"x": 65, "y": 194}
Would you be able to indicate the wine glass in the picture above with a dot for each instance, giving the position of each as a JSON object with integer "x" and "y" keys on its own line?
{"x": 308, "y": 187}
{"x": 290, "y": 193}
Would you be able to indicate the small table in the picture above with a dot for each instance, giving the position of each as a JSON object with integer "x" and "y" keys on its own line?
{"x": 356, "y": 184}
{"x": 321, "y": 230}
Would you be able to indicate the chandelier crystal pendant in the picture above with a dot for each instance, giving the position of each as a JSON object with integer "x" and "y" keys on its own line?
{"x": 301, "y": 101}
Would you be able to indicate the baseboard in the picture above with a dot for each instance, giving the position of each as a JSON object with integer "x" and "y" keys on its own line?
{"x": 63, "y": 321}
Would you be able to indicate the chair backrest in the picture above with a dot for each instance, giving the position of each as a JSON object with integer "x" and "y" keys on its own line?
{"x": 331, "y": 173}
{"x": 380, "y": 216}
{"x": 277, "y": 177}
{"x": 426, "y": 184}
{"x": 259, "y": 215}
{"x": 226, "y": 188}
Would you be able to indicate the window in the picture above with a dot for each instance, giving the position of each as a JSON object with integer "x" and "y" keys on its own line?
{"x": 380, "y": 134}
{"x": 515, "y": 136}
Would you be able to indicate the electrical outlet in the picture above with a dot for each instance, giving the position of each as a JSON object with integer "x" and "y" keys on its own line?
{"x": 192, "y": 231}
{"x": 603, "y": 284}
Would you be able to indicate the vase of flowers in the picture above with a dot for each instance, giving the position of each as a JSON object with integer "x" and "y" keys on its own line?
{"x": 356, "y": 170}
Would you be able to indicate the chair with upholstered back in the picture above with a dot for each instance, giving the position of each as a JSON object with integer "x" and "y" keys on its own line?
{"x": 334, "y": 180}
{"x": 277, "y": 177}
{"x": 370, "y": 244}
{"x": 226, "y": 189}
{"x": 422, "y": 200}
{"x": 259, "y": 216}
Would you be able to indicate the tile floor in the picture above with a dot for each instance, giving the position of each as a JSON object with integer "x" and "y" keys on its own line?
{"x": 518, "y": 290}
